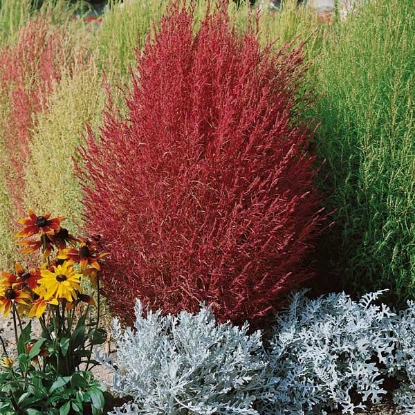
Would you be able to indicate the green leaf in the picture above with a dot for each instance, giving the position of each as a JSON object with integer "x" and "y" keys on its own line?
{"x": 64, "y": 345}
{"x": 96, "y": 411}
{"x": 78, "y": 381}
{"x": 37, "y": 347}
{"x": 64, "y": 410}
{"x": 78, "y": 336}
{"x": 59, "y": 382}
{"x": 77, "y": 407}
{"x": 33, "y": 412}
{"x": 28, "y": 401}
{"x": 97, "y": 397}
{"x": 37, "y": 388}
{"x": 23, "y": 396}
{"x": 24, "y": 338}
{"x": 98, "y": 336}
{"x": 25, "y": 363}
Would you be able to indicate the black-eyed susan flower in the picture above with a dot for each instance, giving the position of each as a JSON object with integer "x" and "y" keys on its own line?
{"x": 61, "y": 238}
{"x": 38, "y": 224}
{"x": 61, "y": 282}
{"x": 26, "y": 278}
{"x": 39, "y": 304}
{"x": 43, "y": 352}
{"x": 85, "y": 255}
{"x": 10, "y": 295}
{"x": 84, "y": 298}
{"x": 44, "y": 243}
{"x": 7, "y": 279}
{"x": 87, "y": 299}
{"x": 93, "y": 275}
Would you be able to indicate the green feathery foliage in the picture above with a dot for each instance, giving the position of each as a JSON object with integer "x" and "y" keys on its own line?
{"x": 123, "y": 30}
{"x": 51, "y": 184}
{"x": 366, "y": 82}
{"x": 13, "y": 14}
{"x": 293, "y": 22}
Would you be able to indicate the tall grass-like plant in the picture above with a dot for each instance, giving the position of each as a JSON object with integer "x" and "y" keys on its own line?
{"x": 366, "y": 105}
{"x": 13, "y": 14}
{"x": 26, "y": 76}
{"x": 292, "y": 21}
{"x": 126, "y": 25}
{"x": 29, "y": 70}
{"x": 123, "y": 30}
{"x": 205, "y": 191}
{"x": 51, "y": 183}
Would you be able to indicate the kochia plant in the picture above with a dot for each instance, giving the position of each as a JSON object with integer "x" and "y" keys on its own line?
{"x": 204, "y": 192}
{"x": 367, "y": 111}
{"x": 30, "y": 68}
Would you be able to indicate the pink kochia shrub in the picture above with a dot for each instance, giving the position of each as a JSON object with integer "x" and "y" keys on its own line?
{"x": 204, "y": 192}
{"x": 28, "y": 70}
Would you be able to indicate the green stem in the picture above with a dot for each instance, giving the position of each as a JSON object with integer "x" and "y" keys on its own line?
{"x": 98, "y": 302}
{"x": 19, "y": 321}
{"x": 4, "y": 346}
{"x": 45, "y": 331}
{"x": 98, "y": 317}
{"x": 55, "y": 323}
{"x": 15, "y": 323}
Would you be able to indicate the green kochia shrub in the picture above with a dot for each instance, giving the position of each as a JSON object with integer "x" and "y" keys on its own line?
{"x": 51, "y": 184}
{"x": 367, "y": 136}
{"x": 124, "y": 28}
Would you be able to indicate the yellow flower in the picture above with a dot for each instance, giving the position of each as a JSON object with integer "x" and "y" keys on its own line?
{"x": 39, "y": 305}
{"x": 62, "y": 282}
{"x": 6, "y": 362}
{"x": 10, "y": 295}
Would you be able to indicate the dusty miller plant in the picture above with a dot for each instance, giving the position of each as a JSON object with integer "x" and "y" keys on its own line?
{"x": 403, "y": 365}
{"x": 329, "y": 353}
{"x": 187, "y": 364}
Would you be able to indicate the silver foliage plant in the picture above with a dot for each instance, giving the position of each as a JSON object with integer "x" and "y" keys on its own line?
{"x": 188, "y": 364}
{"x": 403, "y": 367}
{"x": 328, "y": 353}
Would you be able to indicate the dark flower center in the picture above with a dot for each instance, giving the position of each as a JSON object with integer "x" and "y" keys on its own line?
{"x": 24, "y": 276}
{"x": 84, "y": 252}
{"x": 10, "y": 294}
{"x": 62, "y": 235}
{"x": 41, "y": 221}
{"x": 61, "y": 278}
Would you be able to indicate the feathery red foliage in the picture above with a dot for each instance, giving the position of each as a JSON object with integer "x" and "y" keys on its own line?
{"x": 205, "y": 193}
{"x": 28, "y": 70}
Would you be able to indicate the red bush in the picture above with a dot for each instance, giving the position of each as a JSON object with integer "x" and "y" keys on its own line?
{"x": 204, "y": 193}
